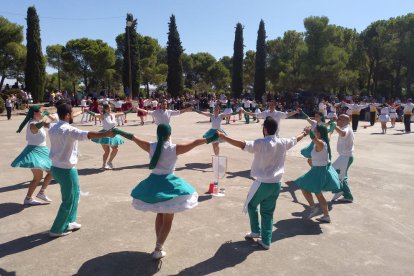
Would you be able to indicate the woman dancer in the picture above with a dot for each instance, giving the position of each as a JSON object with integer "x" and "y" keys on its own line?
{"x": 228, "y": 111}
{"x": 35, "y": 155}
{"x": 94, "y": 107}
{"x": 215, "y": 119}
{"x": 108, "y": 143}
{"x": 321, "y": 177}
{"x": 162, "y": 192}
{"x": 319, "y": 120}
{"x": 393, "y": 114}
{"x": 384, "y": 117}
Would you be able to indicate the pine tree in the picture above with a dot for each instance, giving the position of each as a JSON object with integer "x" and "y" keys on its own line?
{"x": 131, "y": 52}
{"x": 175, "y": 82}
{"x": 35, "y": 64}
{"x": 260, "y": 66}
{"x": 237, "y": 73}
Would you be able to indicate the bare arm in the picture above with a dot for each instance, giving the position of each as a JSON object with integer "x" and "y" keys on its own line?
{"x": 98, "y": 135}
{"x": 318, "y": 144}
{"x": 203, "y": 113}
{"x": 145, "y": 145}
{"x": 186, "y": 110}
{"x": 236, "y": 143}
{"x": 292, "y": 113}
{"x": 77, "y": 113}
{"x": 183, "y": 148}
{"x": 341, "y": 132}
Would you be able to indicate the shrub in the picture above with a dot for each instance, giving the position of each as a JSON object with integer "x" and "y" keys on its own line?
{"x": 2, "y": 105}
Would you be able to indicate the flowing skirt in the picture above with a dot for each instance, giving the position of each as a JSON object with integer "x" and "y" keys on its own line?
{"x": 306, "y": 151}
{"x": 165, "y": 193}
{"x": 33, "y": 157}
{"x": 111, "y": 141}
{"x": 320, "y": 179}
{"x": 211, "y": 132}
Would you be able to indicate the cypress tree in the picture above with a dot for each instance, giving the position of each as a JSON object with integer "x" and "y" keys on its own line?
{"x": 237, "y": 72}
{"x": 131, "y": 52}
{"x": 175, "y": 82}
{"x": 35, "y": 64}
{"x": 260, "y": 66}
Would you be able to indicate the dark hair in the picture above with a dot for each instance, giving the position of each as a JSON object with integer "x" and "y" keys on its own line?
{"x": 323, "y": 130}
{"x": 63, "y": 110}
{"x": 270, "y": 125}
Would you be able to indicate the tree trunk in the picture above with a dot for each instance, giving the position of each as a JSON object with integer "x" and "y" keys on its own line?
{"x": 371, "y": 70}
{"x": 409, "y": 78}
{"x": 3, "y": 77}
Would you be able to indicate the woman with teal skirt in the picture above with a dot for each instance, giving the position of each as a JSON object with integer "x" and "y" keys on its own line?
{"x": 162, "y": 192}
{"x": 35, "y": 155}
{"x": 322, "y": 177}
{"x": 108, "y": 143}
{"x": 216, "y": 118}
{"x": 319, "y": 120}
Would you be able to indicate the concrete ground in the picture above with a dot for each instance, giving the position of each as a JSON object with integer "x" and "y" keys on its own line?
{"x": 372, "y": 236}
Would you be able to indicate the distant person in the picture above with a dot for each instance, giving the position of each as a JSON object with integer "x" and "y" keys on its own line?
{"x": 9, "y": 107}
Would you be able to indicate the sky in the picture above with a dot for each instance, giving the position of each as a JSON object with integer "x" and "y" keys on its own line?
{"x": 204, "y": 25}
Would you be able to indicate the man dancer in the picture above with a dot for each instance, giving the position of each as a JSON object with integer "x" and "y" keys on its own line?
{"x": 356, "y": 111}
{"x": 345, "y": 148}
{"x": 372, "y": 112}
{"x": 272, "y": 112}
{"x": 64, "y": 155}
{"x": 267, "y": 168}
{"x": 408, "y": 112}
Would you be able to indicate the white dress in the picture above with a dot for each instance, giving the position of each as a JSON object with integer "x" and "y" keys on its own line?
{"x": 384, "y": 117}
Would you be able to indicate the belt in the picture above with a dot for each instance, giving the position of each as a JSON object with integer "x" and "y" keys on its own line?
{"x": 355, "y": 113}
{"x": 408, "y": 113}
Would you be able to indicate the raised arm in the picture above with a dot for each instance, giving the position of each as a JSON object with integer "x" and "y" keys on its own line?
{"x": 341, "y": 132}
{"x": 145, "y": 145}
{"x": 202, "y": 113}
{"x": 290, "y": 114}
{"x": 234, "y": 142}
{"x": 183, "y": 148}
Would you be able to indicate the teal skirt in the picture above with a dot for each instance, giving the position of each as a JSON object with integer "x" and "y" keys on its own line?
{"x": 165, "y": 193}
{"x": 211, "y": 132}
{"x": 33, "y": 157}
{"x": 306, "y": 151}
{"x": 111, "y": 141}
{"x": 320, "y": 179}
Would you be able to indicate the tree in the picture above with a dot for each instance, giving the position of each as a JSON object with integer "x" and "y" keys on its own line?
{"x": 131, "y": 58}
{"x": 219, "y": 76}
{"x": 260, "y": 65}
{"x": 237, "y": 73}
{"x": 55, "y": 60}
{"x": 12, "y": 52}
{"x": 248, "y": 69}
{"x": 35, "y": 63}
{"x": 175, "y": 81}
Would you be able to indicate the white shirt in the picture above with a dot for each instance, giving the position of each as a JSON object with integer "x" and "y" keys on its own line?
{"x": 322, "y": 107}
{"x": 320, "y": 158}
{"x": 9, "y": 103}
{"x": 356, "y": 108}
{"x": 385, "y": 111}
{"x": 83, "y": 103}
{"x": 118, "y": 104}
{"x": 167, "y": 160}
{"x": 107, "y": 121}
{"x": 211, "y": 103}
{"x": 269, "y": 157}
{"x": 163, "y": 117}
{"x": 38, "y": 139}
{"x": 216, "y": 121}
{"x": 408, "y": 107}
{"x": 246, "y": 104}
{"x": 64, "y": 144}
{"x": 345, "y": 146}
{"x": 277, "y": 115}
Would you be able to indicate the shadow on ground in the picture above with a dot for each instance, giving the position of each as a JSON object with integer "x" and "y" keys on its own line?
{"x": 121, "y": 263}
{"x": 201, "y": 167}
{"x": 229, "y": 254}
{"x": 24, "y": 243}
{"x": 18, "y": 186}
{"x": 245, "y": 174}
{"x": 8, "y": 209}
{"x": 289, "y": 228}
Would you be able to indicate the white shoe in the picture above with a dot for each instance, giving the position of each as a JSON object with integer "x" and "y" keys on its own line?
{"x": 105, "y": 167}
{"x": 43, "y": 197}
{"x": 343, "y": 199}
{"x": 252, "y": 235}
{"x": 260, "y": 242}
{"x": 158, "y": 254}
{"x": 74, "y": 226}
{"x": 336, "y": 196}
{"x": 57, "y": 235}
{"x": 110, "y": 165}
{"x": 314, "y": 211}
{"x": 325, "y": 219}
{"x": 32, "y": 202}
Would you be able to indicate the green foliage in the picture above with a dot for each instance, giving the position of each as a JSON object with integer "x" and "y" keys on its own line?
{"x": 260, "y": 64}
{"x": 35, "y": 63}
{"x": 237, "y": 73}
{"x": 175, "y": 82}
{"x": 2, "y": 105}
{"x": 55, "y": 59}
{"x": 131, "y": 57}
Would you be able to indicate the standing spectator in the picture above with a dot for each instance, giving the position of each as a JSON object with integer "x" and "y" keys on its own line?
{"x": 9, "y": 107}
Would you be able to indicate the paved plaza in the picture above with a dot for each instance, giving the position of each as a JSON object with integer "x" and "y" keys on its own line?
{"x": 372, "y": 236}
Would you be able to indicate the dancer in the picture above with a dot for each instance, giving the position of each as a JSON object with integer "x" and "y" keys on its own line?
{"x": 373, "y": 112}
{"x": 267, "y": 168}
{"x": 408, "y": 112}
{"x": 64, "y": 155}
{"x": 345, "y": 148}
{"x": 319, "y": 120}
{"x": 118, "y": 108}
{"x": 322, "y": 108}
{"x": 140, "y": 114}
{"x": 384, "y": 118}
{"x": 246, "y": 108}
{"x": 162, "y": 192}
{"x": 228, "y": 111}
{"x": 163, "y": 115}
{"x": 322, "y": 175}
{"x": 94, "y": 107}
{"x": 215, "y": 119}
{"x": 393, "y": 114}
{"x": 35, "y": 155}
{"x": 109, "y": 143}
{"x": 272, "y": 112}
{"x": 356, "y": 111}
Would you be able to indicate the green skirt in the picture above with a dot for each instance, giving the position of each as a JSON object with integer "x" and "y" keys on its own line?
{"x": 111, "y": 141}
{"x": 306, "y": 151}
{"x": 211, "y": 132}
{"x": 165, "y": 193}
{"x": 320, "y": 179}
{"x": 33, "y": 157}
